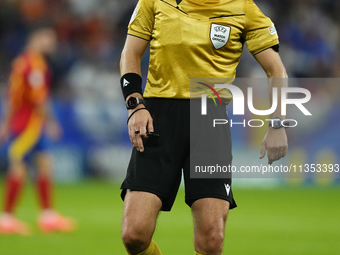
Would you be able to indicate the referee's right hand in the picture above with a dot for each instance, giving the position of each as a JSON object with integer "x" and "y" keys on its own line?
{"x": 139, "y": 123}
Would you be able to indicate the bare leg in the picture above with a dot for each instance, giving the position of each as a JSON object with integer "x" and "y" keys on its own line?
{"x": 44, "y": 163}
{"x": 210, "y": 216}
{"x": 139, "y": 220}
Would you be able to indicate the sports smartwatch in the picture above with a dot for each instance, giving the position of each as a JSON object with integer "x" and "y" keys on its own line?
{"x": 276, "y": 123}
{"x": 133, "y": 102}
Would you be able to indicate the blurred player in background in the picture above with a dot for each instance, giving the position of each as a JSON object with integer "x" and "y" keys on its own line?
{"x": 29, "y": 117}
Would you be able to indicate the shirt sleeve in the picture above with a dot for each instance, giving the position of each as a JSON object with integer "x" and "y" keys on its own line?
{"x": 142, "y": 20}
{"x": 17, "y": 83}
{"x": 260, "y": 31}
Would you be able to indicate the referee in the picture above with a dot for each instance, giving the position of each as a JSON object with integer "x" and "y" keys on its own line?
{"x": 188, "y": 39}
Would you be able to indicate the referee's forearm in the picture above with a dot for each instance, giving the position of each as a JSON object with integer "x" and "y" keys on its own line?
{"x": 130, "y": 63}
{"x": 278, "y": 78}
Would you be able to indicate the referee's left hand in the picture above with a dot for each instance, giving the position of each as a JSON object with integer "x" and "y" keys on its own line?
{"x": 142, "y": 122}
{"x": 275, "y": 144}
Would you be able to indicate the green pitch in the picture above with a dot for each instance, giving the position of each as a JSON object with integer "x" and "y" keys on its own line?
{"x": 277, "y": 221}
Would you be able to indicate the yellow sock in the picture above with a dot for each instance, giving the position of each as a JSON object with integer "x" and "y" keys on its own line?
{"x": 151, "y": 250}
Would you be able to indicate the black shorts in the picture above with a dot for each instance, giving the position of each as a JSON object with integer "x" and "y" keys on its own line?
{"x": 158, "y": 170}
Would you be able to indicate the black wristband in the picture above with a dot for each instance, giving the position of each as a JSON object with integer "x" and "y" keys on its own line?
{"x": 127, "y": 122}
{"x": 131, "y": 83}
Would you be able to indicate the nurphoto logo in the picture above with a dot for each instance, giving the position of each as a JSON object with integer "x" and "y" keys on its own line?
{"x": 239, "y": 104}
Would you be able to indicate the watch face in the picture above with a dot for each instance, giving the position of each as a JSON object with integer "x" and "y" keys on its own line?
{"x": 132, "y": 102}
{"x": 276, "y": 123}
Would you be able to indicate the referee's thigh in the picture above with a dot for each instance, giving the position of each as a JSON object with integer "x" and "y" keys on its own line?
{"x": 210, "y": 216}
{"x": 139, "y": 220}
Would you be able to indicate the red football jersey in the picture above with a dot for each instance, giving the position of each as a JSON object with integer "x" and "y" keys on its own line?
{"x": 29, "y": 87}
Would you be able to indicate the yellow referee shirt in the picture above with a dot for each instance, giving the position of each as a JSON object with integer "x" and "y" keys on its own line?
{"x": 197, "y": 39}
